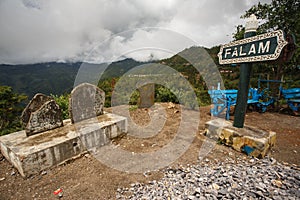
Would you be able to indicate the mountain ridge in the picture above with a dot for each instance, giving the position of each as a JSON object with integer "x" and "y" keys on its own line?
{"x": 53, "y": 77}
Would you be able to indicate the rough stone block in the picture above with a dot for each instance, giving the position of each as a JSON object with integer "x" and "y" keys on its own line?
{"x": 41, "y": 114}
{"x": 251, "y": 140}
{"x": 35, "y": 103}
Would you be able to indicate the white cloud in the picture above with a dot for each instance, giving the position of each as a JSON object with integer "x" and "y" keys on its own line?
{"x": 51, "y": 30}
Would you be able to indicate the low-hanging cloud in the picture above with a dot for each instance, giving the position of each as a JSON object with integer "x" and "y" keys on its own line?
{"x": 67, "y": 30}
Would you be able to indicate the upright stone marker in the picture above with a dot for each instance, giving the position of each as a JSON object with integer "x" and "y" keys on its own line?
{"x": 86, "y": 101}
{"x": 35, "y": 103}
{"x": 41, "y": 114}
{"x": 147, "y": 94}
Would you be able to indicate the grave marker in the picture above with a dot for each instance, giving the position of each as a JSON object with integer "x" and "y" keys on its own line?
{"x": 86, "y": 101}
{"x": 41, "y": 114}
{"x": 147, "y": 95}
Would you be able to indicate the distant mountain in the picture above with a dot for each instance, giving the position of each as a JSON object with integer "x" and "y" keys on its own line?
{"x": 117, "y": 69}
{"x": 58, "y": 78}
{"x": 46, "y": 78}
{"x": 53, "y": 78}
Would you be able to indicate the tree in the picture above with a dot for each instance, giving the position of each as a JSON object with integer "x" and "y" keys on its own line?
{"x": 279, "y": 14}
{"x": 10, "y": 110}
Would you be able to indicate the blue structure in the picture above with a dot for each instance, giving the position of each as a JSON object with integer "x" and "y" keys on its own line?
{"x": 224, "y": 99}
{"x": 292, "y": 97}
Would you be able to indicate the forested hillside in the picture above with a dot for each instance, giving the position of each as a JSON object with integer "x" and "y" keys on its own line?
{"x": 52, "y": 78}
{"x": 47, "y": 78}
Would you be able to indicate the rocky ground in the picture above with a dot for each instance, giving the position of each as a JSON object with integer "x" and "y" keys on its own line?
{"x": 222, "y": 174}
{"x": 212, "y": 179}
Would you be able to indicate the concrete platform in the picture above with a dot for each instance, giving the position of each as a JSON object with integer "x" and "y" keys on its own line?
{"x": 31, "y": 155}
{"x": 251, "y": 140}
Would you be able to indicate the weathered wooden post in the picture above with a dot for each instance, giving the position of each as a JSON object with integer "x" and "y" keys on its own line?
{"x": 245, "y": 73}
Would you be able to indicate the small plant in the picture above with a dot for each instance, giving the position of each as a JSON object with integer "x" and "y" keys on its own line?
{"x": 135, "y": 96}
{"x": 63, "y": 102}
{"x": 133, "y": 107}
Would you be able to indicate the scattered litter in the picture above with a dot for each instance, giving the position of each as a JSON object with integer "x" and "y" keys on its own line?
{"x": 44, "y": 173}
{"x": 13, "y": 173}
{"x": 58, "y": 193}
{"x": 2, "y": 179}
{"x": 147, "y": 173}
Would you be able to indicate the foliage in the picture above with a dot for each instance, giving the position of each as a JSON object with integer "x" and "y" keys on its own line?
{"x": 63, "y": 102}
{"x": 279, "y": 14}
{"x": 163, "y": 94}
{"x": 46, "y": 78}
{"x": 134, "y": 98}
{"x": 107, "y": 85}
{"x": 133, "y": 107}
{"x": 55, "y": 78}
{"x": 10, "y": 110}
{"x": 118, "y": 68}
{"x": 213, "y": 52}
{"x": 239, "y": 32}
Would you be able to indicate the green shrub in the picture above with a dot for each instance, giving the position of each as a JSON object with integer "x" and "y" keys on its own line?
{"x": 135, "y": 96}
{"x": 163, "y": 94}
{"x": 63, "y": 102}
{"x": 11, "y": 107}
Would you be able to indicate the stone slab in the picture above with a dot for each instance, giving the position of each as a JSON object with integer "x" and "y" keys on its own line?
{"x": 251, "y": 140}
{"x": 35, "y": 103}
{"x": 147, "y": 95}
{"x": 47, "y": 117}
{"x": 41, "y": 114}
{"x": 31, "y": 155}
{"x": 86, "y": 101}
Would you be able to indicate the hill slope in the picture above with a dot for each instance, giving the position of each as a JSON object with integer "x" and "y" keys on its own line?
{"x": 52, "y": 78}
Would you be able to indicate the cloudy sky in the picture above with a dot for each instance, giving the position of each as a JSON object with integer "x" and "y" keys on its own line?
{"x": 100, "y": 30}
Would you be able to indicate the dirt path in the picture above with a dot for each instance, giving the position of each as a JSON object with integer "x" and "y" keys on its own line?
{"x": 88, "y": 178}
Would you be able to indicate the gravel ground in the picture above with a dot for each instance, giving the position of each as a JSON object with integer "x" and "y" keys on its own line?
{"x": 243, "y": 178}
